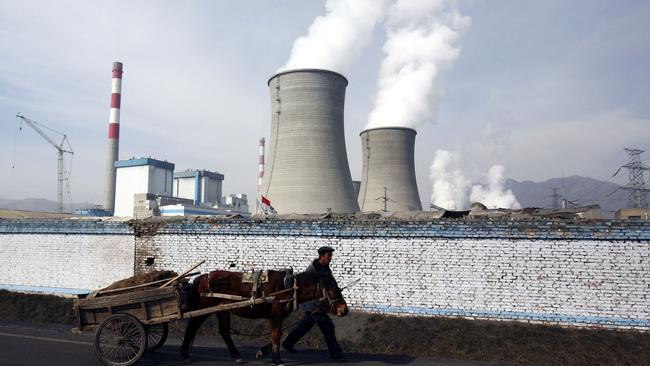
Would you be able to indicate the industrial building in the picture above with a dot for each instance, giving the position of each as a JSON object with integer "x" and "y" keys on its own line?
{"x": 236, "y": 202}
{"x": 307, "y": 169}
{"x": 388, "y": 170}
{"x": 201, "y": 186}
{"x": 356, "y": 184}
{"x": 137, "y": 176}
{"x": 642, "y": 213}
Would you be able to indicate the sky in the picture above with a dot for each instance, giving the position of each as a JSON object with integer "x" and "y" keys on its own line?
{"x": 542, "y": 88}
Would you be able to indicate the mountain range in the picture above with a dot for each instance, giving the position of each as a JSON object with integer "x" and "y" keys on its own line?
{"x": 39, "y": 204}
{"x": 580, "y": 190}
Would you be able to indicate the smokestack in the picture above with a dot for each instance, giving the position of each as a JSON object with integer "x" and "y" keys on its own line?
{"x": 113, "y": 138}
{"x": 388, "y": 172}
{"x": 260, "y": 172}
{"x": 307, "y": 170}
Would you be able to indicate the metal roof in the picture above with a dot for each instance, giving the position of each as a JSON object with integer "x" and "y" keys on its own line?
{"x": 200, "y": 173}
{"x": 145, "y": 161}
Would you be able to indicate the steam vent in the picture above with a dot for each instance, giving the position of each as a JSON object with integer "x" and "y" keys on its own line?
{"x": 307, "y": 169}
{"x": 388, "y": 163}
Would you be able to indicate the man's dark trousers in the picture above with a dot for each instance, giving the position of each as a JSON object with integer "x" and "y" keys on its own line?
{"x": 326, "y": 326}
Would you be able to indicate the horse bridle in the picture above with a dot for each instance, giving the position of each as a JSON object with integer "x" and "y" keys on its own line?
{"x": 327, "y": 297}
{"x": 295, "y": 288}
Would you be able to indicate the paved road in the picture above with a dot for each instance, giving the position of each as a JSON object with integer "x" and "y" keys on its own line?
{"x": 25, "y": 344}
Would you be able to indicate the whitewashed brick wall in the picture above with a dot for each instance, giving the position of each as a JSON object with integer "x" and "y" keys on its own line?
{"x": 64, "y": 263}
{"x": 560, "y": 272}
{"x": 584, "y": 283}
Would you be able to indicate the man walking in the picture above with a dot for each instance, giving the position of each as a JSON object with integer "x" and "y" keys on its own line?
{"x": 314, "y": 315}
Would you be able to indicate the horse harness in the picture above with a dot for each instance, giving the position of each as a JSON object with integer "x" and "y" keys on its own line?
{"x": 259, "y": 277}
{"x": 256, "y": 278}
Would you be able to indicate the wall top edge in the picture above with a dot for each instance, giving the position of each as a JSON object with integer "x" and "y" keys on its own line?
{"x": 546, "y": 229}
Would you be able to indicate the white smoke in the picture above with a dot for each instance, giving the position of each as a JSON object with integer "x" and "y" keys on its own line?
{"x": 494, "y": 195}
{"x": 451, "y": 188}
{"x": 449, "y": 183}
{"x": 334, "y": 41}
{"x": 421, "y": 38}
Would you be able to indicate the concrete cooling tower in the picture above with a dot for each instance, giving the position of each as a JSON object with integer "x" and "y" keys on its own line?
{"x": 388, "y": 171}
{"x": 307, "y": 168}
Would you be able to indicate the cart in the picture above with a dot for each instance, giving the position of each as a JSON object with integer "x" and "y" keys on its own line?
{"x": 129, "y": 324}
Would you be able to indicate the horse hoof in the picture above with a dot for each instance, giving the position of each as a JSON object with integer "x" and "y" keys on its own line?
{"x": 259, "y": 354}
{"x": 240, "y": 361}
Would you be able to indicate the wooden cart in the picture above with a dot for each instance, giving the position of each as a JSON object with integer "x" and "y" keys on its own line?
{"x": 129, "y": 324}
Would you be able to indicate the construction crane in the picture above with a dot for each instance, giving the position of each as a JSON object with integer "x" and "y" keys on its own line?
{"x": 62, "y": 148}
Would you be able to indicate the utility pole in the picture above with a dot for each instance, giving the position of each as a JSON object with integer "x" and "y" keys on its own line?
{"x": 638, "y": 192}
{"x": 60, "y": 151}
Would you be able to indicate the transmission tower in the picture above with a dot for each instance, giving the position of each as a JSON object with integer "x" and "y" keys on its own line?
{"x": 638, "y": 193}
{"x": 555, "y": 197}
{"x": 385, "y": 199}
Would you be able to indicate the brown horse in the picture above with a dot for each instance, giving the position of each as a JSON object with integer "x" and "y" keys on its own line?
{"x": 310, "y": 286}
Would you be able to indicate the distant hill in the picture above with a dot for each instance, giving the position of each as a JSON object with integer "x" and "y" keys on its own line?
{"x": 582, "y": 190}
{"x": 39, "y": 204}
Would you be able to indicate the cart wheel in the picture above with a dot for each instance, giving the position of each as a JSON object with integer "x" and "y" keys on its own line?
{"x": 156, "y": 336}
{"x": 120, "y": 340}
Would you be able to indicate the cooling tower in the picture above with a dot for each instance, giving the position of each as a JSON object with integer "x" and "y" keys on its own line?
{"x": 388, "y": 171}
{"x": 307, "y": 167}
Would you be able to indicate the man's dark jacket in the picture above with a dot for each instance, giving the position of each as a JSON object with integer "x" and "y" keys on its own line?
{"x": 316, "y": 267}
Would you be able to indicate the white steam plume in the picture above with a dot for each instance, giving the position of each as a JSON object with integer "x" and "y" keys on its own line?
{"x": 335, "y": 41}
{"x": 494, "y": 194}
{"x": 449, "y": 183}
{"x": 451, "y": 188}
{"x": 421, "y": 38}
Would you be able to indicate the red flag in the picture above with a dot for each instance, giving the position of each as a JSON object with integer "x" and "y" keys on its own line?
{"x": 266, "y": 201}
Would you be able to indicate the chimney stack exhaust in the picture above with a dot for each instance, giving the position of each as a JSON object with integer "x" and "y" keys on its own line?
{"x": 113, "y": 137}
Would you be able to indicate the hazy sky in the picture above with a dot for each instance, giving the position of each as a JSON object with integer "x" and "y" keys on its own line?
{"x": 541, "y": 87}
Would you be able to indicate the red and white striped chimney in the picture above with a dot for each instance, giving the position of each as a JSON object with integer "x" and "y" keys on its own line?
{"x": 113, "y": 137}
{"x": 260, "y": 173}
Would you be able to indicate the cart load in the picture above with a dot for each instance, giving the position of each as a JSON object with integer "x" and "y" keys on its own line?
{"x": 149, "y": 279}
{"x": 130, "y": 316}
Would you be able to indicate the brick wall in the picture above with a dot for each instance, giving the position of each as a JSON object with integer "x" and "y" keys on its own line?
{"x": 64, "y": 256}
{"x": 571, "y": 273}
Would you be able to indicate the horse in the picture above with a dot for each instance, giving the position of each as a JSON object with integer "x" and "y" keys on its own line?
{"x": 308, "y": 286}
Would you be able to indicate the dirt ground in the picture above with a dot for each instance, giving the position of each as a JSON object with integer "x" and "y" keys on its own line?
{"x": 462, "y": 339}
{"x": 21, "y": 214}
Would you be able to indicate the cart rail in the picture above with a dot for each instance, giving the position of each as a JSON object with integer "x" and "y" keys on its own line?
{"x": 149, "y": 306}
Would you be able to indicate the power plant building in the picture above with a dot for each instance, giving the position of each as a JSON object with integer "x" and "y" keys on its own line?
{"x": 356, "y": 184}
{"x": 140, "y": 176}
{"x": 388, "y": 170}
{"x": 201, "y": 186}
{"x": 307, "y": 168}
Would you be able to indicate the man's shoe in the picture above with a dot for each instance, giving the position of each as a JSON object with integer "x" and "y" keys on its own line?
{"x": 340, "y": 358}
{"x": 288, "y": 348}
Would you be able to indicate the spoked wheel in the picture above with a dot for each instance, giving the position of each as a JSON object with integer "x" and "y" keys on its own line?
{"x": 156, "y": 336}
{"x": 120, "y": 340}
